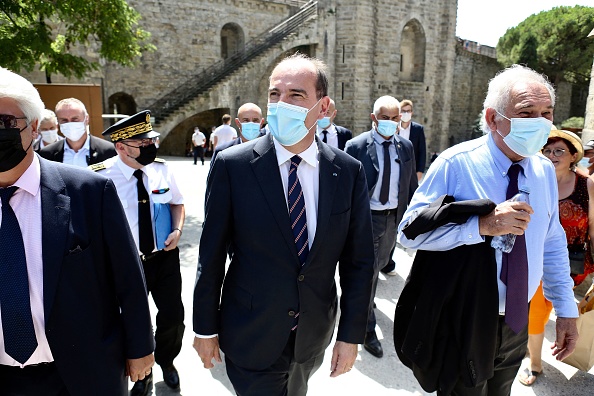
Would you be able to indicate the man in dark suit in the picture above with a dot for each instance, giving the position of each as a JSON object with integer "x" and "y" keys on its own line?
{"x": 389, "y": 166}
{"x": 330, "y": 133}
{"x": 415, "y": 133}
{"x": 249, "y": 123}
{"x": 291, "y": 208}
{"x": 75, "y": 315}
{"x": 79, "y": 148}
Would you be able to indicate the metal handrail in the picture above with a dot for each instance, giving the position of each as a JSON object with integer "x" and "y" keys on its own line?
{"x": 202, "y": 81}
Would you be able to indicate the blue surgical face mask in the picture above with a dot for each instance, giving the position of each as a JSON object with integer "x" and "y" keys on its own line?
{"x": 584, "y": 163}
{"x": 250, "y": 130}
{"x": 387, "y": 128}
{"x": 324, "y": 122}
{"x": 527, "y": 135}
{"x": 287, "y": 122}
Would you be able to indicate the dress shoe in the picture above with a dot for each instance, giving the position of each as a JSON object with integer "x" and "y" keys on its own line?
{"x": 142, "y": 387}
{"x": 171, "y": 377}
{"x": 372, "y": 344}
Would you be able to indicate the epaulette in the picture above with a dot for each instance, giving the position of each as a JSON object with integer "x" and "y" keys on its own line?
{"x": 97, "y": 167}
{"x": 161, "y": 160}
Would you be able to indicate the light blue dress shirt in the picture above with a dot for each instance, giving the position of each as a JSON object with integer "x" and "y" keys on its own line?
{"x": 374, "y": 200}
{"x": 478, "y": 169}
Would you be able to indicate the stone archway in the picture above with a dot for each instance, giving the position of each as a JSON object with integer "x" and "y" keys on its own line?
{"x": 178, "y": 140}
{"x": 232, "y": 40}
{"x": 412, "y": 52}
{"x": 121, "y": 103}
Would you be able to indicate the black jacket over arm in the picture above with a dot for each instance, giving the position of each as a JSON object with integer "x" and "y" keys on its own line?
{"x": 445, "y": 322}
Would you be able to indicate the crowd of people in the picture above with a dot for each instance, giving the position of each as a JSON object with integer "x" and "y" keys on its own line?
{"x": 90, "y": 227}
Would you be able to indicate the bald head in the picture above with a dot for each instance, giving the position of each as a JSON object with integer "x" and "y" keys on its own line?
{"x": 249, "y": 113}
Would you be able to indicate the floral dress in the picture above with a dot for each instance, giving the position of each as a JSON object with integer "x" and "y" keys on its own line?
{"x": 573, "y": 213}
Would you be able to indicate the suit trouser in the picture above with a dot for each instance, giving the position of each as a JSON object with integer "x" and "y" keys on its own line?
{"x": 511, "y": 349}
{"x": 163, "y": 281}
{"x": 284, "y": 377}
{"x": 42, "y": 379}
{"x": 198, "y": 152}
{"x": 384, "y": 239}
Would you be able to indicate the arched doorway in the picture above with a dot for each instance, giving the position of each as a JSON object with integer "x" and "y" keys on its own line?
{"x": 412, "y": 52}
{"x": 232, "y": 40}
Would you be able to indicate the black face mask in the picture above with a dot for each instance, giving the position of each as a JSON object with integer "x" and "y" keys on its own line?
{"x": 11, "y": 148}
{"x": 147, "y": 154}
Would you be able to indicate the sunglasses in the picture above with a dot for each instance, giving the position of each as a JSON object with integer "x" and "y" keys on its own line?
{"x": 558, "y": 152}
{"x": 8, "y": 121}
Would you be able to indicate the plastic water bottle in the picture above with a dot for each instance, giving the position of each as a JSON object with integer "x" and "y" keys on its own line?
{"x": 505, "y": 243}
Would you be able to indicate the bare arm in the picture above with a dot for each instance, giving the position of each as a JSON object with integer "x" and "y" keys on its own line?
{"x": 178, "y": 215}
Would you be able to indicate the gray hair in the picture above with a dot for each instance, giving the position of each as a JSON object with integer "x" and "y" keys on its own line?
{"x": 70, "y": 102}
{"x": 19, "y": 89}
{"x": 500, "y": 87}
{"x": 48, "y": 115}
{"x": 387, "y": 101}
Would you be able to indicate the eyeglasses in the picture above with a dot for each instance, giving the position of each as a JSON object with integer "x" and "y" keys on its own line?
{"x": 558, "y": 152}
{"x": 143, "y": 142}
{"x": 8, "y": 121}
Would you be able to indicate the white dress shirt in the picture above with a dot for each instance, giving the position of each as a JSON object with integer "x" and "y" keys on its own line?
{"x": 75, "y": 158}
{"x": 26, "y": 204}
{"x": 405, "y": 132}
{"x": 331, "y": 136}
{"x": 156, "y": 176}
{"x": 374, "y": 200}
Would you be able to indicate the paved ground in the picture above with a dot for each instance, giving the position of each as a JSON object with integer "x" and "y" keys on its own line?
{"x": 372, "y": 376}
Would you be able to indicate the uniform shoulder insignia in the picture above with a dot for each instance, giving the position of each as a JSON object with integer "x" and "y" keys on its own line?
{"x": 161, "y": 160}
{"x": 97, "y": 167}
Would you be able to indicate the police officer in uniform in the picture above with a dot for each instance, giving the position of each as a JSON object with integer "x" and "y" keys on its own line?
{"x": 155, "y": 212}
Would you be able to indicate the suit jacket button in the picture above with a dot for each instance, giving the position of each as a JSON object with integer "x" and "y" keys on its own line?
{"x": 301, "y": 277}
{"x": 291, "y": 313}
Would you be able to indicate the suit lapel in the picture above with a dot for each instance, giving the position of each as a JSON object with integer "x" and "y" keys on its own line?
{"x": 265, "y": 167}
{"x": 329, "y": 174}
{"x": 55, "y": 214}
{"x": 372, "y": 152}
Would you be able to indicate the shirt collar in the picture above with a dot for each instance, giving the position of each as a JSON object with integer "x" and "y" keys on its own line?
{"x": 31, "y": 178}
{"x": 309, "y": 155}
{"x": 85, "y": 146}
{"x": 379, "y": 139}
{"x": 127, "y": 171}
{"x": 331, "y": 130}
{"x": 502, "y": 161}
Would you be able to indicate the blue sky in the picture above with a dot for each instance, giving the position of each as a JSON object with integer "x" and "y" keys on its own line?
{"x": 485, "y": 21}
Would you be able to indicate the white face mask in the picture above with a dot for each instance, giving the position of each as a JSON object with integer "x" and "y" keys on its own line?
{"x": 406, "y": 117}
{"x": 49, "y": 136}
{"x": 73, "y": 130}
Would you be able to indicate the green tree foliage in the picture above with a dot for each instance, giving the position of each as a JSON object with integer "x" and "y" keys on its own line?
{"x": 552, "y": 42}
{"x": 45, "y": 33}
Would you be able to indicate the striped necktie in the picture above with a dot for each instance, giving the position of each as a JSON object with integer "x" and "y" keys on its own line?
{"x": 297, "y": 211}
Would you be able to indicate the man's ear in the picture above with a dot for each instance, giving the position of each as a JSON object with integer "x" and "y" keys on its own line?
{"x": 325, "y": 101}
{"x": 262, "y": 120}
{"x": 373, "y": 118}
{"x": 238, "y": 123}
{"x": 490, "y": 115}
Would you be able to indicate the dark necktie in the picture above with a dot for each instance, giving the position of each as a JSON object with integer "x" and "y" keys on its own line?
{"x": 145, "y": 225}
{"x": 297, "y": 211}
{"x": 325, "y": 138}
{"x": 385, "y": 188}
{"x": 17, "y": 322}
{"x": 514, "y": 269}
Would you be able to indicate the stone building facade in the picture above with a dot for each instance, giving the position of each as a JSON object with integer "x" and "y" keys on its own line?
{"x": 372, "y": 48}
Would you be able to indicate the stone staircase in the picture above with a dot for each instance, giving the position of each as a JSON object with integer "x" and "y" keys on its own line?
{"x": 164, "y": 108}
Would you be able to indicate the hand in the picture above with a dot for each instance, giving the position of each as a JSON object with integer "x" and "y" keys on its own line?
{"x": 343, "y": 358}
{"x": 507, "y": 218}
{"x": 137, "y": 369}
{"x": 567, "y": 336}
{"x": 172, "y": 240}
{"x": 208, "y": 348}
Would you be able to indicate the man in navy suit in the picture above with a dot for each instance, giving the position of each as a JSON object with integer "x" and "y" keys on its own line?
{"x": 84, "y": 317}
{"x": 389, "y": 165}
{"x": 290, "y": 208}
{"x": 329, "y": 132}
{"x": 415, "y": 133}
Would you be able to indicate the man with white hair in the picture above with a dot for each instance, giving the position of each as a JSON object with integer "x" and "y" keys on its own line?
{"x": 389, "y": 164}
{"x": 518, "y": 113}
{"x": 48, "y": 129}
{"x": 79, "y": 148}
{"x": 74, "y": 310}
